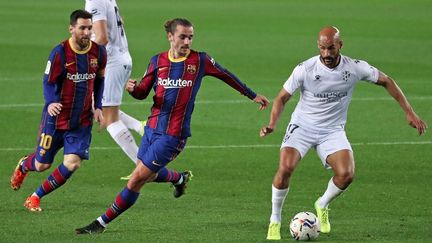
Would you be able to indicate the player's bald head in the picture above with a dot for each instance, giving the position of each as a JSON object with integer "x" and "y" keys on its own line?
{"x": 329, "y": 34}
{"x": 329, "y": 44}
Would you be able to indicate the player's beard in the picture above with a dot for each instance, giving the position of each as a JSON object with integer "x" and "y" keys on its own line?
{"x": 184, "y": 50}
{"x": 330, "y": 62}
{"x": 83, "y": 42}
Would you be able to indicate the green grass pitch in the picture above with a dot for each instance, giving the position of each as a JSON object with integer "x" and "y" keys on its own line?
{"x": 229, "y": 197}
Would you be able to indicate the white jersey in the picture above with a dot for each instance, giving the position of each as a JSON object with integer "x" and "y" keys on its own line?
{"x": 325, "y": 92}
{"x": 117, "y": 47}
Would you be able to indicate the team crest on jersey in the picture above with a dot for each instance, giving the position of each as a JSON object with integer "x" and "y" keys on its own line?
{"x": 93, "y": 62}
{"x": 346, "y": 75}
{"x": 191, "y": 69}
{"x": 42, "y": 152}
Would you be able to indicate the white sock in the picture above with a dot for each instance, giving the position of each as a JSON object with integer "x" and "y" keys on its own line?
{"x": 124, "y": 139}
{"x": 331, "y": 193}
{"x": 278, "y": 198}
{"x": 100, "y": 220}
{"x": 130, "y": 122}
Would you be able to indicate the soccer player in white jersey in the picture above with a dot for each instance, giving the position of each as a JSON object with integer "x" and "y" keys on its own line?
{"x": 109, "y": 31}
{"x": 326, "y": 83}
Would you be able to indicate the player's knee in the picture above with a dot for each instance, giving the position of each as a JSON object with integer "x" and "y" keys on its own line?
{"x": 72, "y": 166}
{"x": 349, "y": 178}
{"x": 286, "y": 169}
{"x": 41, "y": 166}
{"x": 72, "y": 163}
{"x": 346, "y": 177}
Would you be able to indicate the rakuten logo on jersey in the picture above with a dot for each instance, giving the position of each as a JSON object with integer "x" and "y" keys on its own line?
{"x": 168, "y": 83}
{"x": 80, "y": 77}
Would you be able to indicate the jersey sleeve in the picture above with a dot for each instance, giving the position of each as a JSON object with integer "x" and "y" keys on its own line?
{"x": 97, "y": 9}
{"x": 53, "y": 73}
{"x": 212, "y": 68}
{"x": 143, "y": 89}
{"x": 100, "y": 77}
{"x": 366, "y": 72}
{"x": 295, "y": 80}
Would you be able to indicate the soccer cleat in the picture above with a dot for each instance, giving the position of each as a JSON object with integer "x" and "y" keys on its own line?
{"x": 274, "y": 231}
{"x": 180, "y": 189}
{"x": 143, "y": 124}
{"x": 18, "y": 176}
{"x": 94, "y": 228}
{"x": 323, "y": 218}
{"x": 32, "y": 203}
{"x": 126, "y": 178}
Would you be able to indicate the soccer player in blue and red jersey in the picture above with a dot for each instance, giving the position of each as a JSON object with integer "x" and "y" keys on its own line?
{"x": 73, "y": 86}
{"x": 175, "y": 76}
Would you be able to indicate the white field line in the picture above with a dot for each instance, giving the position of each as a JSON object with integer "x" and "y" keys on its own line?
{"x": 211, "y": 102}
{"x": 249, "y": 146}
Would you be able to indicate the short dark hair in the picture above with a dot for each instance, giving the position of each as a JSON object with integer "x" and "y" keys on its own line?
{"x": 171, "y": 25}
{"x": 75, "y": 15}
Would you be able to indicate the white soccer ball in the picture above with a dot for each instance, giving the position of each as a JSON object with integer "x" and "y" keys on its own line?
{"x": 305, "y": 226}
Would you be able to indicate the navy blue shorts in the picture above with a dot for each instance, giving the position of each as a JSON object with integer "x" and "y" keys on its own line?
{"x": 50, "y": 141}
{"x": 158, "y": 149}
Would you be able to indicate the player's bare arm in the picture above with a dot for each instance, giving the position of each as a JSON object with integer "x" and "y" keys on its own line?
{"x": 262, "y": 100}
{"x": 54, "y": 109}
{"x": 277, "y": 109}
{"x": 100, "y": 29}
{"x": 393, "y": 89}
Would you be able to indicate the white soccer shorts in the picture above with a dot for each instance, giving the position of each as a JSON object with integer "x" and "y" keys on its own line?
{"x": 325, "y": 142}
{"x": 116, "y": 77}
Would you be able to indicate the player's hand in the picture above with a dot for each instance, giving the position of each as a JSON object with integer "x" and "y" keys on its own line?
{"x": 98, "y": 116}
{"x": 54, "y": 109}
{"x": 262, "y": 100}
{"x": 130, "y": 85}
{"x": 265, "y": 131}
{"x": 415, "y": 122}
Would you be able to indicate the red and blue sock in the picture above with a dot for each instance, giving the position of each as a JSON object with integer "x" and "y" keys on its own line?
{"x": 167, "y": 175}
{"x": 57, "y": 178}
{"x": 28, "y": 164}
{"x": 124, "y": 200}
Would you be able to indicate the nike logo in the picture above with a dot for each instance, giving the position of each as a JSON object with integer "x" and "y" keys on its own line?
{"x": 154, "y": 162}
{"x": 162, "y": 68}
{"x": 68, "y": 64}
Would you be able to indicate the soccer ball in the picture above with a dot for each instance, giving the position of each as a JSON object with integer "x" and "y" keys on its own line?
{"x": 304, "y": 226}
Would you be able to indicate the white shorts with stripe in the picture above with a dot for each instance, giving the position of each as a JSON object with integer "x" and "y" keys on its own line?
{"x": 116, "y": 77}
{"x": 325, "y": 142}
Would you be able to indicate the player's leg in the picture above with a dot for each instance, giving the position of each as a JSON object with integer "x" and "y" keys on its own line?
{"x": 55, "y": 180}
{"x": 48, "y": 144}
{"x": 119, "y": 132}
{"x": 152, "y": 157}
{"x": 295, "y": 145}
{"x": 178, "y": 179}
{"x": 132, "y": 123}
{"x": 76, "y": 148}
{"x": 289, "y": 159}
{"x": 124, "y": 200}
{"x": 337, "y": 154}
{"x": 115, "y": 80}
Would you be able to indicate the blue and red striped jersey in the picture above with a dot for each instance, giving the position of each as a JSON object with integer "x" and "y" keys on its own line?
{"x": 176, "y": 83}
{"x": 72, "y": 78}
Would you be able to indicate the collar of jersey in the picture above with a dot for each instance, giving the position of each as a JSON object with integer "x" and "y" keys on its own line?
{"x": 77, "y": 51}
{"x": 181, "y": 59}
